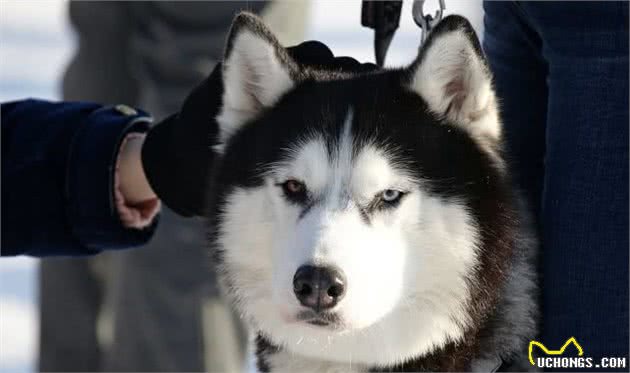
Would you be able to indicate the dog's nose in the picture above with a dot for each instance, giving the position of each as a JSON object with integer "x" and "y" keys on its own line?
{"x": 319, "y": 288}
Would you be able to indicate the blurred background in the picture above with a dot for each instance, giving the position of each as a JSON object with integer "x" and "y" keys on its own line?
{"x": 37, "y": 42}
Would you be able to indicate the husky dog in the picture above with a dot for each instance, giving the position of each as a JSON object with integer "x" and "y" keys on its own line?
{"x": 367, "y": 221}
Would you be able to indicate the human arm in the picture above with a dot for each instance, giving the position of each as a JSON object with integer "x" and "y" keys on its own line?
{"x": 59, "y": 179}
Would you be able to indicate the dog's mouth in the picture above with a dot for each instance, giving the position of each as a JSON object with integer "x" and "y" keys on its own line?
{"x": 320, "y": 319}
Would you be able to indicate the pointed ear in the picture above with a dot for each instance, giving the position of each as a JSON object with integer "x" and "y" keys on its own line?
{"x": 452, "y": 76}
{"x": 257, "y": 71}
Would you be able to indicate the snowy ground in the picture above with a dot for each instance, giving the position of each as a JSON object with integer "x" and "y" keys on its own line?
{"x": 35, "y": 44}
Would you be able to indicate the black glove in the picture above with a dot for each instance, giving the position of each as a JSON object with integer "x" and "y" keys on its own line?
{"x": 177, "y": 153}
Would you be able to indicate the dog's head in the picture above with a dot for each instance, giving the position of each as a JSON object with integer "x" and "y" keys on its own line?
{"x": 353, "y": 214}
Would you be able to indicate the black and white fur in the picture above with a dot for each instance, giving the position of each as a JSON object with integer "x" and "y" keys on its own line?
{"x": 443, "y": 279}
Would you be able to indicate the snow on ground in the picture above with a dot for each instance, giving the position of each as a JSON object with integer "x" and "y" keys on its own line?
{"x": 35, "y": 44}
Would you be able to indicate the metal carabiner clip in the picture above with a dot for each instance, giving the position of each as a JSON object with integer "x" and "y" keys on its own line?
{"x": 426, "y": 22}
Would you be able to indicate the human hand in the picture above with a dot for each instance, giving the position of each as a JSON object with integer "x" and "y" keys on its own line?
{"x": 136, "y": 201}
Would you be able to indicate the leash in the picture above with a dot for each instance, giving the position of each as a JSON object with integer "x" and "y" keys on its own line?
{"x": 384, "y": 18}
{"x": 426, "y": 22}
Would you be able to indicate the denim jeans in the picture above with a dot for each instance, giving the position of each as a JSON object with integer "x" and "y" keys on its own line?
{"x": 561, "y": 73}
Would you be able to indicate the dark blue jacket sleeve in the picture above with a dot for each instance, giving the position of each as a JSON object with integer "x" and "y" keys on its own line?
{"x": 58, "y": 165}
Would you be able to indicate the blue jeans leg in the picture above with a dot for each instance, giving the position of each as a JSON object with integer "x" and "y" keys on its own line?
{"x": 583, "y": 203}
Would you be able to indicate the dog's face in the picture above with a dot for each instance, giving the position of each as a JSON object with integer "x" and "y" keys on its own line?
{"x": 348, "y": 207}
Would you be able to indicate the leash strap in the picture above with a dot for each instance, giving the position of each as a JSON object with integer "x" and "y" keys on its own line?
{"x": 426, "y": 22}
{"x": 384, "y": 18}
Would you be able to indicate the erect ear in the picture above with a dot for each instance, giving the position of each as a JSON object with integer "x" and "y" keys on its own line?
{"x": 257, "y": 71}
{"x": 452, "y": 76}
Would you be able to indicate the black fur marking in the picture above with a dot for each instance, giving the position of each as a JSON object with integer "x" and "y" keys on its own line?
{"x": 365, "y": 215}
{"x": 307, "y": 208}
{"x": 264, "y": 348}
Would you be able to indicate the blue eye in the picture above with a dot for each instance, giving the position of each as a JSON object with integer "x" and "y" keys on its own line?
{"x": 391, "y": 195}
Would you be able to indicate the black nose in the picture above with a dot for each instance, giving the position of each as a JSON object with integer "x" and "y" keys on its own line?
{"x": 319, "y": 288}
